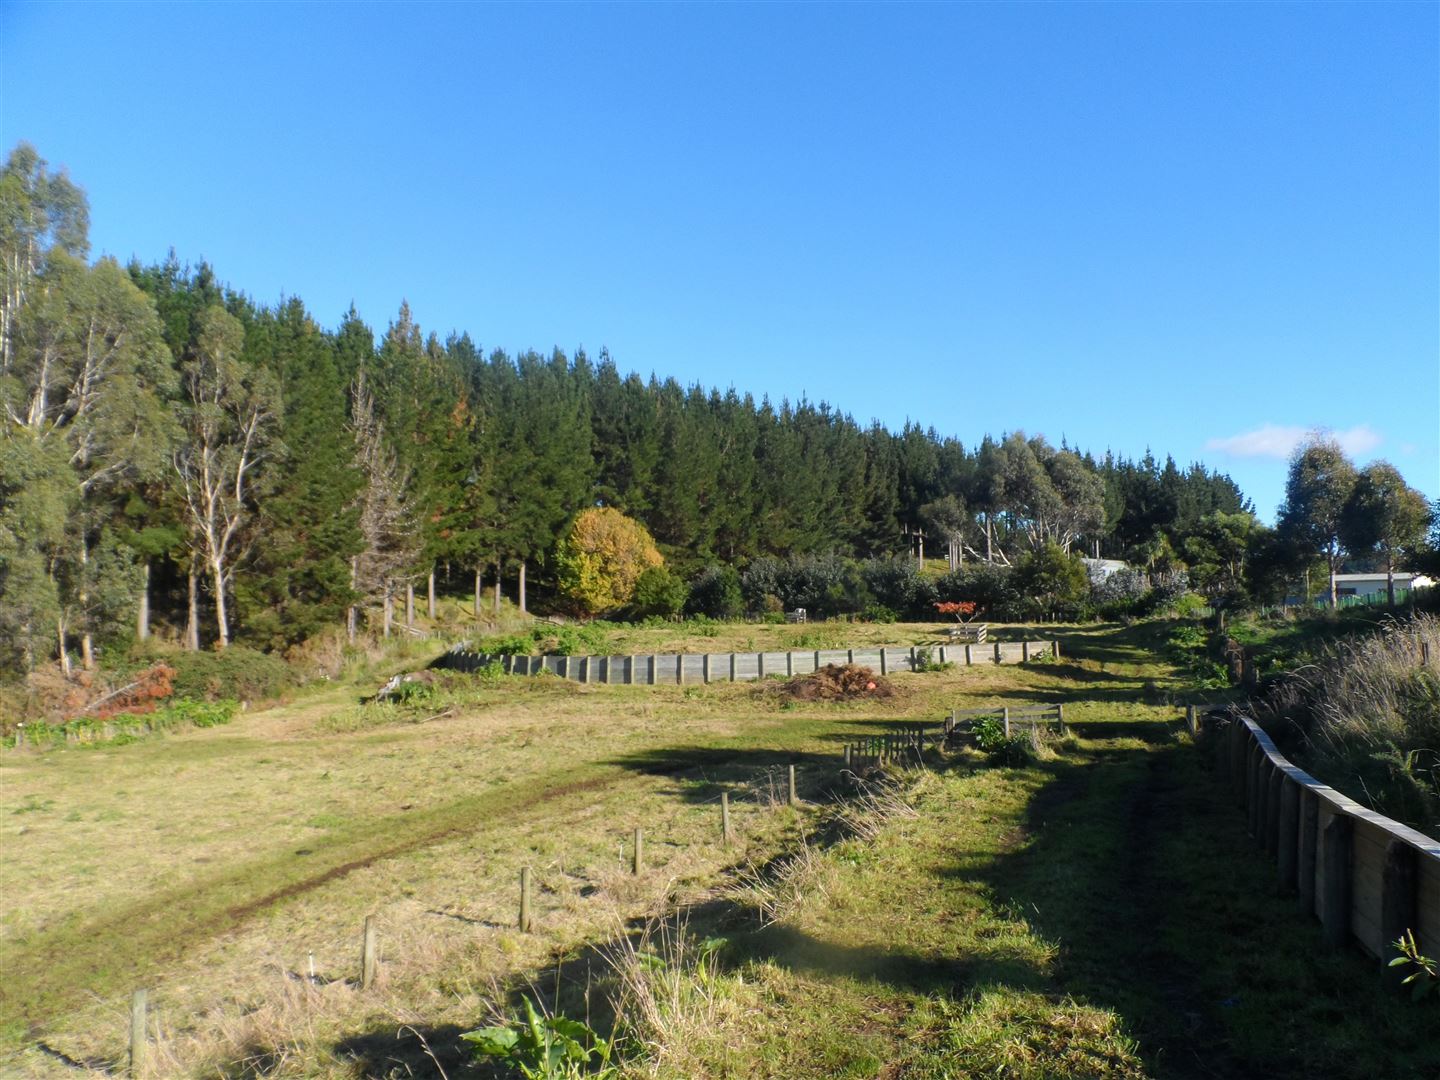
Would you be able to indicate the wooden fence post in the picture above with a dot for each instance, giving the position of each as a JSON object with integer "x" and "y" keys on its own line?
{"x": 1024, "y": 652}
{"x": 1336, "y": 886}
{"x": 794, "y": 798}
{"x": 1005, "y": 713}
{"x": 732, "y": 667}
{"x": 1272, "y": 808}
{"x": 1289, "y": 833}
{"x": 725, "y": 812}
{"x": 705, "y": 667}
{"x": 367, "y": 954}
{"x": 1254, "y": 792}
{"x": 847, "y": 757}
{"x": 138, "y": 1042}
{"x": 634, "y": 670}
{"x": 680, "y": 669}
{"x": 525, "y": 921}
{"x": 1191, "y": 723}
{"x": 997, "y": 652}
{"x": 637, "y": 856}
{"x": 883, "y": 670}
{"x": 1305, "y": 854}
{"x": 1397, "y": 903}
{"x": 1060, "y": 716}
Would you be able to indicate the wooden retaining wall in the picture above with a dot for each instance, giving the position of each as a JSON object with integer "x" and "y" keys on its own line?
{"x": 1364, "y": 876}
{"x": 649, "y": 669}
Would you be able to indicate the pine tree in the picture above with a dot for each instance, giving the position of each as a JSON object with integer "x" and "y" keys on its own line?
{"x": 299, "y": 580}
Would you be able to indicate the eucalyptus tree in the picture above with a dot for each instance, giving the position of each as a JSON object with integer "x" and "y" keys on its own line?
{"x": 230, "y": 413}
{"x": 88, "y": 376}
{"x": 1385, "y": 515}
{"x": 1317, "y": 488}
{"x": 41, "y": 213}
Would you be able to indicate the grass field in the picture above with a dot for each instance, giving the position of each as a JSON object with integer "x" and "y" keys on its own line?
{"x": 1098, "y": 912}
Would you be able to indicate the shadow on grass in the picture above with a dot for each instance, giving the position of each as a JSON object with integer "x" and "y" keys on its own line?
{"x": 402, "y": 1050}
{"x": 703, "y": 772}
{"x": 1135, "y": 861}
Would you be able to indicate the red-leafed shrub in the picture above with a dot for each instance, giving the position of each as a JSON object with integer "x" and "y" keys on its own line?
{"x": 963, "y": 610}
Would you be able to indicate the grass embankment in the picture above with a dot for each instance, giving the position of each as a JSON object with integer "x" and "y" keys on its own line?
{"x": 1358, "y": 705}
{"x": 1098, "y": 912}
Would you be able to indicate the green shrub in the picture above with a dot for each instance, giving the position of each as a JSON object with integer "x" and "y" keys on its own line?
{"x": 879, "y": 613}
{"x": 545, "y": 1047}
{"x": 658, "y": 592}
{"x": 490, "y": 674}
{"x": 989, "y": 585}
{"x": 715, "y": 593}
{"x": 1019, "y": 748}
{"x": 234, "y": 672}
{"x": 588, "y": 639}
{"x": 898, "y": 587}
{"x": 413, "y": 693}
{"x": 925, "y": 660}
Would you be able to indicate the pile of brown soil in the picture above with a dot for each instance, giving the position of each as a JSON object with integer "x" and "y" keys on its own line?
{"x": 839, "y": 682}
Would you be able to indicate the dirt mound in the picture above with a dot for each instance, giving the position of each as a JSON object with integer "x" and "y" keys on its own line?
{"x": 839, "y": 682}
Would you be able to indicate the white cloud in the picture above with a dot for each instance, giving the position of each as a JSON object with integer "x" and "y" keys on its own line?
{"x": 1277, "y": 441}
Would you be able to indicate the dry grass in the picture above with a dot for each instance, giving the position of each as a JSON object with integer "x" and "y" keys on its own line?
{"x": 212, "y": 865}
{"x": 1374, "y": 708}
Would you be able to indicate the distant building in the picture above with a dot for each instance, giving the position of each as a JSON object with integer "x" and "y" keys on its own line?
{"x": 1374, "y": 586}
{"x": 1100, "y": 569}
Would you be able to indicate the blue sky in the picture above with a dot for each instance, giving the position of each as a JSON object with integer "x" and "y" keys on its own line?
{"x": 1202, "y": 229}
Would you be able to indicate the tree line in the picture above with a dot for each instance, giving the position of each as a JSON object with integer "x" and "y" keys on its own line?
{"x": 174, "y": 451}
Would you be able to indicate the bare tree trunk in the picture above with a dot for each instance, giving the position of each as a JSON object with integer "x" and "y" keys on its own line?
{"x": 1390, "y": 577}
{"x": 1334, "y": 592}
{"x": 477, "y": 590}
{"x": 192, "y": 617}
{"x": 217, "y": 579}
{"x": 989, "y": 541}
{"x": 409, "y": 605}
{"x": 389, "y": 610}
{"x": 87, "y": 641}
{"x": 522, "y": 587}
{"x": 499, "y": 569}
{"x": 64, "y": 656}
{"x": 352, "y": 613}
{"x": 142, "y": 616}
{"x": 430, "y": 585}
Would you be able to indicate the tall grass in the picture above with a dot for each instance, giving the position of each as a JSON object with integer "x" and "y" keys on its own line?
{"x": 1374, "y": 723}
